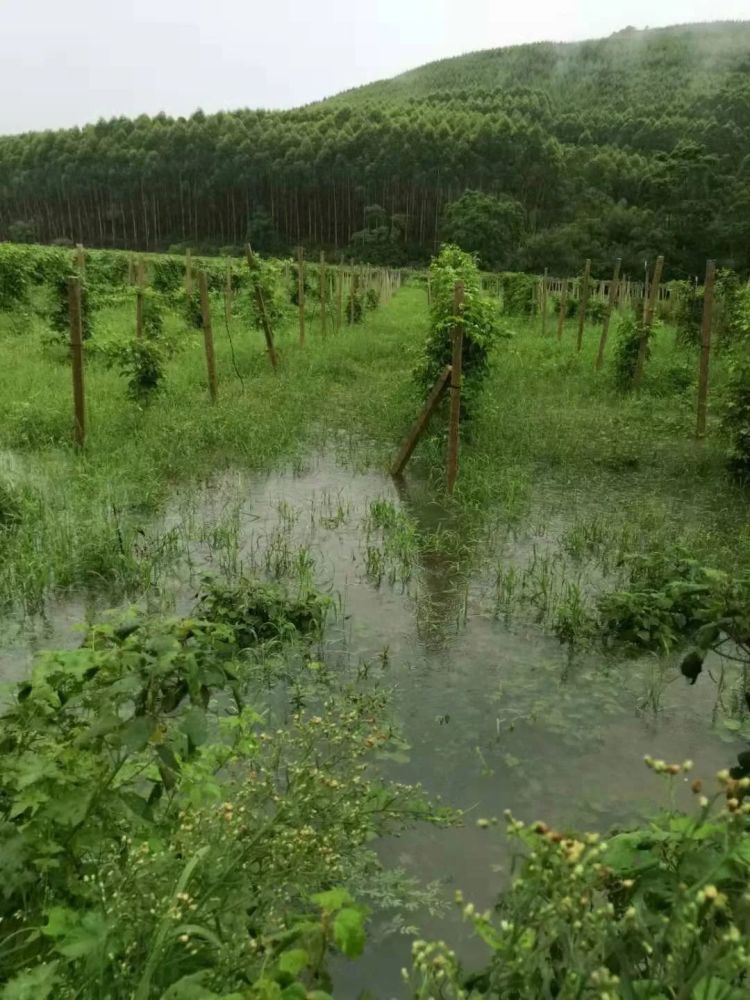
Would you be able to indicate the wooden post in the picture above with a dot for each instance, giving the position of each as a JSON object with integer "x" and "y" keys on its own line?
{"x": 261, "y": 306}
{"x": 339, "y": 295}
{"x": 189, "y": 271}
{"x": 131, "y": 270}
{"x": 583, "y": 301}
{"x": 419, "y": 425}
{"x": 228, "y": 291}
{"x": 563, "y": 308}
{"x": 429, "y": 290}
{"x": 353, "y": 286}
{"x": 323, "y": 294}
{"x": 208, "y": 336}
{"x": 613, "y": 286}
{"x": 301, "y": 294}
{"x": 456, "y": 364}
{"x": 139, "y": 299}
{"x": 544, "y": 304}
{"x": 648, "y": 318}
{"x": 708, "y": 309}
{"x": 81, "y": 259}
{"x": 76, "y": 357}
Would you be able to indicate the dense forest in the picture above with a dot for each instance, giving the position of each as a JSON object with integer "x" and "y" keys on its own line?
{"x": 534, "y": 156}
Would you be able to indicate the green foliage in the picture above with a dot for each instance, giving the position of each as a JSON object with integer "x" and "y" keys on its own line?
{"x": 736, "y": 419}
{"x": 15, "y": 275}
{"x": 660, "y": 912}
{"x": 59, "y": 316}
{"x": 191, "y": 308}
{"x": 159, "y": 839}
{"x": 686, "y": 302}
{"x": 673, "y": 601}
{"x": 259, "y": 611}
{"x": 518, "y": 293}
{"x": 627, "y": 346}
{"x": 354, "y": 306}
{"x": 168, "y": 274}
{"x": 489, "y": 226}
{"x": 480, "y": 324}
{"x": 567, "y": 132}
{"x": 267, "y": 277}
{"x": 372, "y": 299}
{"x": 141, "y": 363}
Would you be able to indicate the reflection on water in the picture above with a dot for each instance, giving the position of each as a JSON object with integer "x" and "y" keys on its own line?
{"x": 497, "y": 715}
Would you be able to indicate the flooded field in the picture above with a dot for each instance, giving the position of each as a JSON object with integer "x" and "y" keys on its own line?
{"x": 495, "y": 712}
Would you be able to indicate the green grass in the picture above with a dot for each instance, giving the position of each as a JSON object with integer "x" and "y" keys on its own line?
{"x": 550, "y": 433}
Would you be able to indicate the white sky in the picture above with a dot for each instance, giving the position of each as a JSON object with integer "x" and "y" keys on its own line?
{"x": 67, "y": 62}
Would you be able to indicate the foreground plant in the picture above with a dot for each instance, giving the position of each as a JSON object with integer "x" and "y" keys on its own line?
{"x": 661, "y": 912}
{"x": 158, "y": 838}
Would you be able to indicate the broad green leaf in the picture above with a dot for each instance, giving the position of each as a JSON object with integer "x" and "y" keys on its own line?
{"x": 295, "y": 991}
{"x": 293, "y": 961}
{"x": 190, "y": 988}
{"x": 712, "y": 988}
{"x": 349, "y": 931}
{"x": 332, "y": 900}
{"x": 34, "y": 984}
{"x": 136, "y": 733}
{"x": 194, "y": 726}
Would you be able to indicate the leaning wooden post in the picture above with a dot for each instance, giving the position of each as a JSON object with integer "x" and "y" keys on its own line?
{"x": 261, "y": 306}
{"x": 139, "y": 299}
{"x": 708, "y": 309}
{"x": 648, "y": 318}
{"x": 76, "y": 357}
{"x": 420, "y": 424}
{"x": 544, "y": 303}
{"x": 301, "y": 293}
{"x": 208, "y": 336}
{"x": 563, "y": 308}
{"x": 583, "y": 301}
{"x": 456, "y": 364}
{"x": 613, "y": 286}
{"x": 189, "y": 271}
{"x": 323, "y": 278}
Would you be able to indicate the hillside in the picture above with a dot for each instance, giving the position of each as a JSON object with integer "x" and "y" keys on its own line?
{"x": 632, "y": 144}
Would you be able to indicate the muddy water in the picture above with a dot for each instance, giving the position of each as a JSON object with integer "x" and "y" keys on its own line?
{"x": 497, "y": 715}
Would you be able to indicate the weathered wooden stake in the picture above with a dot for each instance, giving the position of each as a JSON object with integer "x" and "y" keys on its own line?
{"x": 544, "y": 303}
{"x": 261, "y": 306}
{"x": 76, "y": 357}
{"x": 563, "y": 308}
{"x": 708, "y": 309}
{"x": 456, "y": 365}
{"x": 613, "y": 286}
{"x": 648, "y": 318}
{"x": 420, "y": 424}
{"x": 301, "y": 294}
{"x": 353, "y": 286}
{"x": 208, "y": 336}
{"x": 81, "y": 259}
{"x": 339, "y": 295}
{"x": 189, "y": 271}
{"x": 583, "y": 301}
{"x": 228, "y": 291}
{"x": 323, "y": 278}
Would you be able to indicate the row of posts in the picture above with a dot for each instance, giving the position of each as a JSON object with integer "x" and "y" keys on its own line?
{"x": 652, "y": 290}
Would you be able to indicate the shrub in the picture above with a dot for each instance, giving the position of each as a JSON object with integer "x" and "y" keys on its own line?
{"x": 518, "y": 293}
{"x": 737, "y": 419}
{"x": 160, "y": 839}
{"x": 15, "y": 275}
{"x": 168, "y": 274}
{"x": 627, "y": 346}
{"x": 480, "y": 324}
{"x": 354, "y": 306}
{"x": 59, "y": 316}
{"x": 372, "y": 298}
{"x": 658, "y": 911}
{"x": 686, "y": 311}
{"x": 141, "y": 362}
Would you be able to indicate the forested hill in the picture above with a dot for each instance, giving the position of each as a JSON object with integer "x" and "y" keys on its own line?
{"x": 536, "y": 156}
